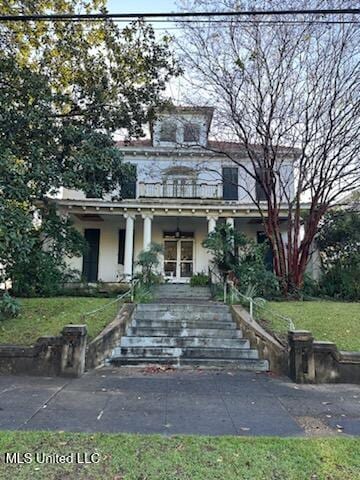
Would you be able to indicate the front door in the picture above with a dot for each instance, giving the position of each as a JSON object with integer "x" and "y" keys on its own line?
{"x": 178, "y": 259}
{"x": 91, "y": 255}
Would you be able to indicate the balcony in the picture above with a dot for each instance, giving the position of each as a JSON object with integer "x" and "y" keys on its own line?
{"x": 181, "y": 189}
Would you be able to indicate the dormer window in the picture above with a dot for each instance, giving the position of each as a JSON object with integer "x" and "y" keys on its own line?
{"x": 191, "y": 133}
{"x": 168, "y": 132}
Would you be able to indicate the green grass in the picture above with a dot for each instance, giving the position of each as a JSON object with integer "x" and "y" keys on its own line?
{"x": 47, "y": 316}
{"x": 337, "y": 322}
{"x": 152, "y": 457}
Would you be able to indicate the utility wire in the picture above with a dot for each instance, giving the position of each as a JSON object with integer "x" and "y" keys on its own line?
{"x": 105, "y": 16}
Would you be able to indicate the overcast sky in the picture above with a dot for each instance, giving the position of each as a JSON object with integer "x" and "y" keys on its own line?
{"x": 141, "y": 6}
{"x": 151, "y": 6}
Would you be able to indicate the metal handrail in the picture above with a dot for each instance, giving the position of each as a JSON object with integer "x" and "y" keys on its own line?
{"x": 131, "y": 292}
{"x": 253, "y": 302}
{"x": 259, "y": 303}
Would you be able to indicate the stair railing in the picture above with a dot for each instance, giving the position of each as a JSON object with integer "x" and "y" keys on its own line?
{"x": 256, "y": 304}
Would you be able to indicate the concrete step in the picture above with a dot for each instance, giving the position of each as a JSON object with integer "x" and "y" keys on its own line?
{"x": 190, "y": 352}
{"x": 247, "y": 364}
{"x": 188, "y": 294}
{"x": 176, "y": 307}
{"x": 184, "y": 315}
{"x": 181, "y": 287}
{"x": 200, "y": 334}
{"x": 182, "y": 324}
{"x": 183, "y": 332}
{"x": 181, "y": 292}
{"x": 184, "y": 342}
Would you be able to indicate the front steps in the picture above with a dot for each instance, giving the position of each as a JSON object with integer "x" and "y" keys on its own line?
{"x": 181, "y": 292}
{"x": 183, "y": 334}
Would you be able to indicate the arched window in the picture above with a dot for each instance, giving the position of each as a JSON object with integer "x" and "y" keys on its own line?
{"x": 180, "y": 182}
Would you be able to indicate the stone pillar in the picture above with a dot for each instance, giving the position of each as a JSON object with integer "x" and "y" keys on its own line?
{"x": 129, "y": 245}
{"x": 73, "y": 350}
{"x": 301, "y": 356}
{"x": 147, "y": 230}
{"x": 211, "y": 223}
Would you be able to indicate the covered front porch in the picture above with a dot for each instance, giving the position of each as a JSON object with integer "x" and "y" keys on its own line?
{"x": 115, "y": 241}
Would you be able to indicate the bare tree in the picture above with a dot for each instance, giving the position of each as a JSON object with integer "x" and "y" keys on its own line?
{"x": 286, "y": 89}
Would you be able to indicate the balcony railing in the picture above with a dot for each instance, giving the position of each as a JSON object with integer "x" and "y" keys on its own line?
{"x": 180, "y": 189}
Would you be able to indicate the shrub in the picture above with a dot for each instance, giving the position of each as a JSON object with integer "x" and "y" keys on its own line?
{"x": 199, "y": 280}
{"x": 9, "y": 307}
{"x": 338, "y": 241}
{"x": 143, "y": 294}
{"x": 43, "y": 275}
{"x": 149, "y": 260}
{"x": 342, "y": 282}
{"x": 246, "y": 259}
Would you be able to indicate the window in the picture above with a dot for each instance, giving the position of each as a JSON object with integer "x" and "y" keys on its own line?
{"x": 191, "y": 133}
{"x": 230, "y": 183}
{"x": 260, "y": 192}
{"x": 168, "y": 132}
{"x": 121, "y": 247}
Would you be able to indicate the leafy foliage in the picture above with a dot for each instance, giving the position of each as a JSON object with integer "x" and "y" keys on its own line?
{"x": 199, "y": 280}
{"x": 9, "y": 306}
{"x": 339, "y": 244}
{"x": 65, "y": 88}
{"x": 149, "y": 260}
{"x": 234, "y": 252}
{"x": 223, "y": 242}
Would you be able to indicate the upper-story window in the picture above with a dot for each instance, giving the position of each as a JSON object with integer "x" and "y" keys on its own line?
{"x": 191, "y": 133}
{"x": 168, "y": 131}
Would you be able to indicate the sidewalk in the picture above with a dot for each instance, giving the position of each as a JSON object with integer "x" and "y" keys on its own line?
{"x": 205, "y": 402}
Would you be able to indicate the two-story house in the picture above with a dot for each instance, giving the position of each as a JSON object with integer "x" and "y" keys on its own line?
{"x": 183, "y": 188}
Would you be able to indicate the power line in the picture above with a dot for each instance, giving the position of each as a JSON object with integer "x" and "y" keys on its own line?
{"x": 113, "y": 16}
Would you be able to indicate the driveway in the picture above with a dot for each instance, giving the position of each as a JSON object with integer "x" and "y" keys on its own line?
{"x": 152, "y": 400}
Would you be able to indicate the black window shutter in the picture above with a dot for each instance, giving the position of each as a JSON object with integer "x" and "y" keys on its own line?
{"x": 121, "y": 248}
{"x": 230, "y": 183}
{"x": 260, "y": 192}
{"x": 91, "y": 255}
{"x": 129, "y": 188}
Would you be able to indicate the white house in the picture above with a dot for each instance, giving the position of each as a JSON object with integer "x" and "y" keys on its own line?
{"x": 183, "y": 188}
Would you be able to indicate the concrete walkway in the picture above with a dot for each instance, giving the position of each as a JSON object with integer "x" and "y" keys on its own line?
{"x": 206, "y": 402}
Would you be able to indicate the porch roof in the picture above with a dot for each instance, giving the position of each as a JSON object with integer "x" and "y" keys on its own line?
{"x": 172, "y": 207}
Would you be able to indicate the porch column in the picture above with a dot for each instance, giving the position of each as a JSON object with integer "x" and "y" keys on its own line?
{"x": 129, "y": 243}
{"x": 230, "y": 222}
{"x": 147, "y": 230}
{"x": 211, "y": 223}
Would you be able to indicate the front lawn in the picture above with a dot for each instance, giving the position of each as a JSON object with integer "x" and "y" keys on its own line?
{"x": 337, "y": 322}
{"x": 152, "y": 457}
{"x": 47, "y": 316}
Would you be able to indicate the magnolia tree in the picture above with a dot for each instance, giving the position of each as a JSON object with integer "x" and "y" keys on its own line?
{"x": 65, "y": 88}
{"x": 287, "y": 89}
